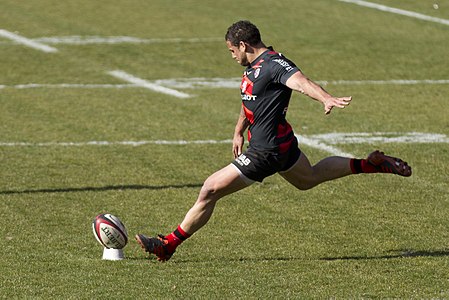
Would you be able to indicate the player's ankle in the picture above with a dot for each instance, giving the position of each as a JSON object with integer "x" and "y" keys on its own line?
{"x": 362, "y": 166}
{"x": 176, "y": 238}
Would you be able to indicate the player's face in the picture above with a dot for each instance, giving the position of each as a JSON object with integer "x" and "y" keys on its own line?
{"x": 238, "y": 53}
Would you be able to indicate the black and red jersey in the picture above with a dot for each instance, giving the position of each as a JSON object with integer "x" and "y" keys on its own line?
{"x": 265, "y": 99}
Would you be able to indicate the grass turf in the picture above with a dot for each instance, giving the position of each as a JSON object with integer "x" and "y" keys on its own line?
{"x": 359, "y": 237}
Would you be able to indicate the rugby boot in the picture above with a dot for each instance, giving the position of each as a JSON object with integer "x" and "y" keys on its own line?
{"x": 155, "y": 245}
{"x": 389, "y": 164}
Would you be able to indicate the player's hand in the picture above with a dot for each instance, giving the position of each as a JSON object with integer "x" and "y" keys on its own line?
{"x": 332, "y": 102}
{"x": 237, "y": 145}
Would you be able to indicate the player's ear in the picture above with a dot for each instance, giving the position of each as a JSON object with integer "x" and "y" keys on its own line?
{"x": 242, "y": 46}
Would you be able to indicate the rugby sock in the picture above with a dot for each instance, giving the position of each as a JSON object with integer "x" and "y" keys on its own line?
{"x": 176, "y": 238}
{"x": 362, "y": 166}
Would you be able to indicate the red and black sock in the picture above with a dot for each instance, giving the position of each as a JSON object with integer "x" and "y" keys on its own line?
{"x": 176, "y": 238}
{"x": 362, "y": 166}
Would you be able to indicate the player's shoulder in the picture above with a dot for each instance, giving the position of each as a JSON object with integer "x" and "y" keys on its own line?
{"x": 277, "y": 60}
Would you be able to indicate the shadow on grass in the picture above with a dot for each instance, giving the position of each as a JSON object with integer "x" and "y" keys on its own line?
{"x": 100, "y": 189}
{"x": 152, "y": 259}
{"x": 399, "y": 254}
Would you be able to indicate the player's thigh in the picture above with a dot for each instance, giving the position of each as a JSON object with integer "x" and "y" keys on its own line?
{"x": 300, "y": 172}
{"x": 225, "y": 181}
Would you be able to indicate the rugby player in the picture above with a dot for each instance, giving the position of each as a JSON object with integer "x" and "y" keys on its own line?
{"x": 266, "y": 87}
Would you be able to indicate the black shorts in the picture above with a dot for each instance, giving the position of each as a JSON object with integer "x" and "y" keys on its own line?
{"x": 257, "y": 165}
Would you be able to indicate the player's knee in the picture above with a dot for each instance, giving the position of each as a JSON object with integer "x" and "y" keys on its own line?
{"x": 209, "y": 190}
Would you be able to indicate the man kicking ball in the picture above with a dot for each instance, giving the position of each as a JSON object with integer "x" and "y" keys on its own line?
{"x": 266, "y": 88}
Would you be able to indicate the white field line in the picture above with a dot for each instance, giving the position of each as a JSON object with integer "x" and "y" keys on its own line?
{"x": 147, "y": 84}
{"x": 112, "y": 40}
{"x": 385, "y": 82}
{"x": 198, "y": 83}
{"x": 317, "y": 144}
{"x": 119, "y": 143}
{"x": 71, "y": 86}
{"x": 397, "y": 11}
{"x": 27, "y": 42}
{"x": 322, "y": 142}
{"x": 381, "y": 137}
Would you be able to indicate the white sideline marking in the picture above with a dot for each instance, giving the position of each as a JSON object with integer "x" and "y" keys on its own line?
{"x": 397, "y": 11}
{"x": 113, "y": 40}
{"x": 319, "y": 141}
{"x": 146, "y": 84}
{"x": 121, "y": 143}
{"x": 72, "y": 86}
{"x": 197, "y": 83}
{"x": 89, "y": 40}
{"x": 27, "y": 42}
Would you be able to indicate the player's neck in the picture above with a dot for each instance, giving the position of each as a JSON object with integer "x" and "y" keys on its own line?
{"x": 256, "y": 52}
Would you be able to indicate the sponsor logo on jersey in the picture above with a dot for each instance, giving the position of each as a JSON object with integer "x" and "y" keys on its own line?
{"x": 246, "y": 86}
{"x": 246, "y": 97}
{"x": 284, "y": 64}
{"x": 243, "y": 160}
{"x": 243, "y": 86}
{"x": 247, "y": 89}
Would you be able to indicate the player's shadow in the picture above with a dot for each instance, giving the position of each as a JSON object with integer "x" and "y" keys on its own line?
{"x": 100, "y": 188}
{"x": 401, "y": 253}
{"x": 396, "y": 254}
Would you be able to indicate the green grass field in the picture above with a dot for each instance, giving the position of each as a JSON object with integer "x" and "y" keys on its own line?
{"x": 367, "y": 236}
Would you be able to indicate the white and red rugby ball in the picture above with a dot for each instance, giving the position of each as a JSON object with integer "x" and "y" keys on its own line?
{"x": 110, "y": 231}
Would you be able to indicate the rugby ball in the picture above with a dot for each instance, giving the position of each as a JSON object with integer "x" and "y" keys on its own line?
{"x": 110, "y": 231}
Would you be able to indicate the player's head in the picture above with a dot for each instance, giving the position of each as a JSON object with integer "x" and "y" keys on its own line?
{"x": 243, "y": 31}
{"x": 239, "y": 37}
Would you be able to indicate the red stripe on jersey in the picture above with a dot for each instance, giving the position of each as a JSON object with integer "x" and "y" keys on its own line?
{"x": 249, "y": 114}
{"x": 283, "y": 130}
{"x": 285, "y": 146}
{"x": 258, "y": 64}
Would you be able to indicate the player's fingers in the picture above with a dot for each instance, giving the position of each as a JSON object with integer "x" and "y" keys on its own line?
{"x": 345, "y": 100}
{"x": 236, "y": 150}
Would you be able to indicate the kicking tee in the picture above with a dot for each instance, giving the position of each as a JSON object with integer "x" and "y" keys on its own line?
{"x": 265, "y": 100}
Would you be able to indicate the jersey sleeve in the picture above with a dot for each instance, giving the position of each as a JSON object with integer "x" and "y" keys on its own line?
{"x": 282, "y": 69}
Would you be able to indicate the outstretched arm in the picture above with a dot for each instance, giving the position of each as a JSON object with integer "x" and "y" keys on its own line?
{"x": 300, "y": 83}
{"x": 239, "y": 140}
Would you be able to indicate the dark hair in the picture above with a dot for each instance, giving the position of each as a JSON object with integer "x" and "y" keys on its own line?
{"x": 244, "y": 31}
